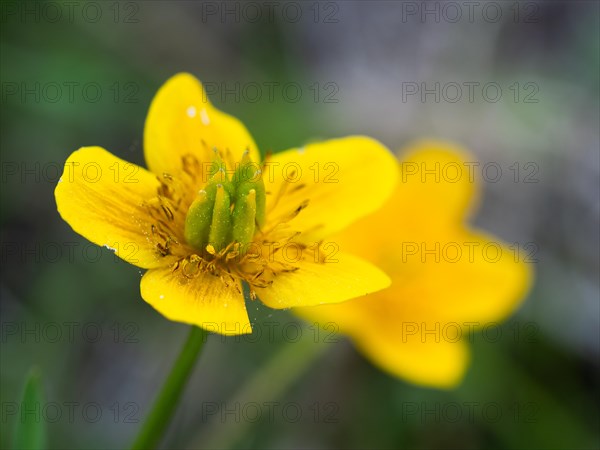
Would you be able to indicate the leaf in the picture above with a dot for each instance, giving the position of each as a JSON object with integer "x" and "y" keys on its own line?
{"x": 30, "y": 431}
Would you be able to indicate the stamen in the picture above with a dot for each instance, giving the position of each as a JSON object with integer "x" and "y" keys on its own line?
{"x": 223, "y": 222}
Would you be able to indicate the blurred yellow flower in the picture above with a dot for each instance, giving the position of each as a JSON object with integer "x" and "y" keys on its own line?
{"x": 206, "y": 217}
{"x": 447, "y": 279}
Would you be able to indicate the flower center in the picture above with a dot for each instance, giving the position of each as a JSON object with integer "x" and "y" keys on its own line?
{"x": 225, "y": 210}
{"x": 224, "y": 226}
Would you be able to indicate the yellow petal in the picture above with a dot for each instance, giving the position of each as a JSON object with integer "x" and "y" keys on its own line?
{"x": 342, "y": 179}
{"x": 406, "y": 344}
{"x": 414, "y": 238}
{"x": 470, "y": 277}
{"x": 438, "y": 185}
{"x": 101, "y": 197}
{"x": 420, "y": 206}
{"x": 439, "y": 364}
{"x": 204, "y": 301}
{"x": 181, "y": 121}
{"x": 436, "y": 263}
{"x": 343, "y": 278}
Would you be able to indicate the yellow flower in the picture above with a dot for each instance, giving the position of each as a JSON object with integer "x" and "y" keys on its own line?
{"x": 206, "y": 217}
{"x": 447, "y": 279}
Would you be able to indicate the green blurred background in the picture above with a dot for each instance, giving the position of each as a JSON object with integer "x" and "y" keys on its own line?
{"x": 83, "y": 73}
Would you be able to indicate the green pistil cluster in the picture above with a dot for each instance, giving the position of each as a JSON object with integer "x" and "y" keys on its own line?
{"x": 227, "y": 210}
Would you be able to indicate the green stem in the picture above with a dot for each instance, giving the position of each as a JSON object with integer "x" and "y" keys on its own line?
{"x": 273, "y": 379}
{"x": 167, "y": 400}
